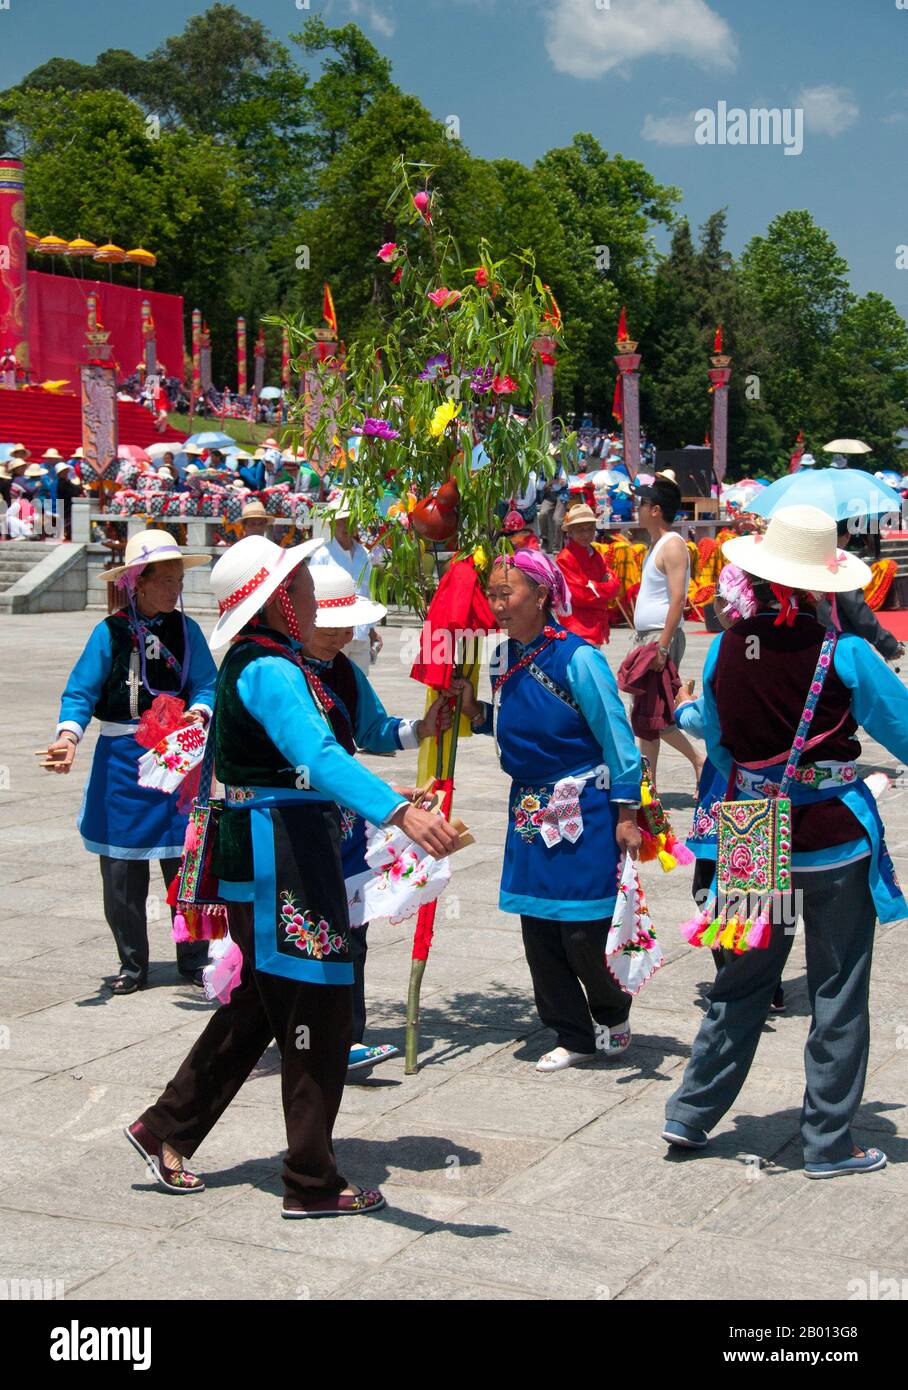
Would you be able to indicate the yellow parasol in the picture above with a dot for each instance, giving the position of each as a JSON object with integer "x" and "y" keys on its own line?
{"x": 110, "y": 255}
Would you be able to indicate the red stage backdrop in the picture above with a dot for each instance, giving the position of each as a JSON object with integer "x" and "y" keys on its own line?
{"x": 57, "y": 320}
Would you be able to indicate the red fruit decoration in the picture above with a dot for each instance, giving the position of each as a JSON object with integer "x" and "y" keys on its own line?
{"x": 435, "y": 518}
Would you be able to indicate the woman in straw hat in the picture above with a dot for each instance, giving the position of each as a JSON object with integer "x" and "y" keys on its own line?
{"x": 359, "y": 720}
{"x": 782, "y": 702}
{"x": 148, "y": 648}
{"x": 564, "y": 739}
{"x": 590, "y": 582}
{"x": 277, "y": 857}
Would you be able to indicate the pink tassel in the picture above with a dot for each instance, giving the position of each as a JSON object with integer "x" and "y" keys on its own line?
{"x": 180, "y": 929}
{"x": 693, "y": 930}
{"x": 191, "y": 841}
{"x": 682, "y": 854}
{"x": 759, "y": 934}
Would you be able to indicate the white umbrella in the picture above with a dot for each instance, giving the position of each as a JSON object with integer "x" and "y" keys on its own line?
{"x": 157, "y": 451}
{"x": 606, "y": 478}
{"x": 269, "y": 393}
{"x": 847, "y": 446}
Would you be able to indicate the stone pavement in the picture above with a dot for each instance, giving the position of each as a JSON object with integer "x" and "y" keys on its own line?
{"x": 501, "y": 1183}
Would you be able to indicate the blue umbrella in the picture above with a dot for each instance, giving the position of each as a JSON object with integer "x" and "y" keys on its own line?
{"x": 840, "y": 492}
{"x": 480, "y": 457}
{"x": 210, "y": 439}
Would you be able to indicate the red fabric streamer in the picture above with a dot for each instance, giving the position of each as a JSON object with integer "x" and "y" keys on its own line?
{"x": 617, "y": 403}
{"x": 622, "y": 326}
{"x": 459, "y": 605}
{"x": 425, "y": 917}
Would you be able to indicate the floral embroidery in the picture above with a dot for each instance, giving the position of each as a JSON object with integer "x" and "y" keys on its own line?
{"x": 236, "y": 796}
{"x": 529, "y": 812}
{"x": 310, "y": 935}
{"x": 348, "y": 820}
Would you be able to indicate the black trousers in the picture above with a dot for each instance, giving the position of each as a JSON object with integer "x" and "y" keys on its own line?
{"x": 571, "y": 983}
{"x": 312, "y": 1025}
{"x": 358, "y": 949}
{"x": 126, "y": 884}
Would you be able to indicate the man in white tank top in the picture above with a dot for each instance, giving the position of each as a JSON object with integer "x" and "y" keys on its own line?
{"x": 659, "y": 610}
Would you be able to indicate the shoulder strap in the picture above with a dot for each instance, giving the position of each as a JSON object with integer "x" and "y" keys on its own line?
{"x": 552, "y": 686}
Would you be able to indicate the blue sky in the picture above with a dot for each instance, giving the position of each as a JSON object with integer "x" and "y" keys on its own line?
{"x": 524, "y": 75}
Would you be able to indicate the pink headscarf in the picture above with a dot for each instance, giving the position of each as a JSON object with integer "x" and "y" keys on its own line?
{"x": 541, "y": 568}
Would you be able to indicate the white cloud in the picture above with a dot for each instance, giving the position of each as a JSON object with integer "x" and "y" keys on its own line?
{"x": 827, "y": 110}
{"x": 896, "y": 118}
{"x": 586, "y": 40}
{"x": 364, "y": 9}
{"x": 677, "y": 129}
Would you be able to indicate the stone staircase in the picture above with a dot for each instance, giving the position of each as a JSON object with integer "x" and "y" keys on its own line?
{"x": 17, "y": 558}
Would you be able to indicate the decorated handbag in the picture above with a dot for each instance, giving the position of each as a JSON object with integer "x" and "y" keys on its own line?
{"x": 201, "y": 913}
{"x": 754, "y": 845}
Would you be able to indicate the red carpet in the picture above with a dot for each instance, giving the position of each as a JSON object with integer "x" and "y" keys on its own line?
{"x": 895, "y": 622}
{"x": 40, "y": 420}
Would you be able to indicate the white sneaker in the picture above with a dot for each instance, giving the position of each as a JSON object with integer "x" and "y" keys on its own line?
{"x": 559, "y": 1058}
{"x": 611, "y": 1042}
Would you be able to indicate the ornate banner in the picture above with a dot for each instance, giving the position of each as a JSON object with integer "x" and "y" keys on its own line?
{"x": 100, "y": 437}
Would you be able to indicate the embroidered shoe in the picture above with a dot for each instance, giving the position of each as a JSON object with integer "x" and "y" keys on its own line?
{"x": 611, "y": 1042}
{"x": 362, "y": 1056}
{"x": 867, "y": 1162}
{"x": 338, "y": 1204}
{"x": 178, "y": 1179}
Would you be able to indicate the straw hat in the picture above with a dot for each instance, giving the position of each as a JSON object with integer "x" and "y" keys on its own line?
{"x": 339, "y": 605}
{"x": 240, "y": 454}
{"x": 152, "y": 548}
{"x": 799, "y": 549}
{"x": 246, "y": 576}
{"x": 4, "y": 472}
{"x": 78, "y": 453}
{"x": 339, "y": 506}
{"x": 581, "y": 515}
{"x": 255, "y": 511}
{"x": 52, "y": 455}
{"x": 193, "y": 451}
{"x": 34, "y": 470}
{"x": 20, "y": 449}
{"x": 61, "y": 467}
{"x": 259, "y": 454}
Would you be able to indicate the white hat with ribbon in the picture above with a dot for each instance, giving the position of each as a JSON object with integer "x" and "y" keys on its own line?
{"x": 339, "y": 605}
{"x": 152, "y": 548}
{"x": 246, "y": 577}
{"x": 800, "y": 549}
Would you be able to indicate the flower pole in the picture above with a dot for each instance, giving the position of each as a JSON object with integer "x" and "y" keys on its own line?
{"x": 451, "y": 341}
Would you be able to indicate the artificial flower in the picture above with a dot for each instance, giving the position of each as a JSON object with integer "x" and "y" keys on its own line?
{"x": 443, "y": 416}
{"x": 433, "y": 365}
{"x": 443, "y": 297}
{"x": 396, "y": 277}
{"x": 480, "y": 558}
{"x": 482, "y": 276}
{"x": 421, "y": 203}
{"x": 548, "y": 358}
{"x": 503, "y": 385}
{"x": 379, "y": 429}
{"x": 481, "y": 379}
{"x": 387, "y": 251}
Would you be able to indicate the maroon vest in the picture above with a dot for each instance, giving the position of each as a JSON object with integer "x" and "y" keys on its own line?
{"x": 762, "y": 678}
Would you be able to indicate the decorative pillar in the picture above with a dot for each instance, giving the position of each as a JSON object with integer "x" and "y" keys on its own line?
{"x": 13, "y": 265}
{"x": 241, "y": 356}
{"x": 720, "y": 376}
{"x": 259, "y": 352}
{"x": 196, "y": 360}
{"x": 149, "y": 340}
{"x": 628, "y": 362}
{"x": 544, "y": 348}
{"x": 100, "y": 436}
{"x": 205, "y": 357}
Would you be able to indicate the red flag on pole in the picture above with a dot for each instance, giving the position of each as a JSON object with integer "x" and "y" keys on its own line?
{"x": 328, "y": 310}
